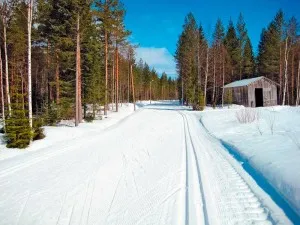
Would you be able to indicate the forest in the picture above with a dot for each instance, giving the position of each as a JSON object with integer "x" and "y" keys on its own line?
{"x": 205, "y": 63}
{"x": 68, "y": 60}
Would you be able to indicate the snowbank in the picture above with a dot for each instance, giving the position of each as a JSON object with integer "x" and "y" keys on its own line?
{"x": 270, "y": 145}
{"x": 67, "y": 132}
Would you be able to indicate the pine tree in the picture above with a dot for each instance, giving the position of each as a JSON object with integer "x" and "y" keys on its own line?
{"x": 242, "y": 38}
{"x": 186, "y": 58}
{"x": 218, "y": 58}
{"x": 248, "y": 60}
{"x": 110, "y": 13}
{"x": 231, "y": 42}
{"x": 269, "y": 50}
{"x": 202, "y": 45}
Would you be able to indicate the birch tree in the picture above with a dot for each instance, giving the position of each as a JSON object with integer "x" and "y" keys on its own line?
{"x": 2, "y": 92}
{"x": 29, "y": 27}
{"x": 290, "y": 40}
{"x": 4, "y": 16}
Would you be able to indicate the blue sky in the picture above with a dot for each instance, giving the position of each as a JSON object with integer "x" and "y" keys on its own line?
{"x": 156, "y": 24}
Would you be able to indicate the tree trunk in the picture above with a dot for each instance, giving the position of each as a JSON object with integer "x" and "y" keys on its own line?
{"x": 298, "y": 85}
{"x": 129, "y": 74}
{"x": 57, "y": 85}
{"x": 199, "y": 68}
{"x": 132, "y": 87}
{"x": 113, "y": 84}
{"x": 285, "y": 71}
{"x": 293, "y": 81}
{"x": 214, "y": 85}
{"x": 78, "y": 77}
{"x": 6, "y": 68}
{"x": 280, "y": 73}
{"x": 206, "y": 76}
{"x": 117, "y": 79}
{"x": 29, "y": 25}
{"x": 223, "y": 73}
{"x": 2, "y": 92}
{"x": 106, "y": 71}
{"x": 182, "y": 94}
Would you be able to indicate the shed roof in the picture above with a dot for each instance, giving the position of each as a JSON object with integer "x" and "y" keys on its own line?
{"x": 245, "y": 82}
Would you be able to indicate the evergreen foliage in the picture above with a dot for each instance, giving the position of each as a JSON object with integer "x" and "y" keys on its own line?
{"x": 206, "y": 67}
{"x": 18, "y": 132}
{"x": 228, "y": 97}
{"x": 233, "y": 49}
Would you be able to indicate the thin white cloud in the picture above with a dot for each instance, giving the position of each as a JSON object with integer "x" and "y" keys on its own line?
{"x": 158, "y": 58}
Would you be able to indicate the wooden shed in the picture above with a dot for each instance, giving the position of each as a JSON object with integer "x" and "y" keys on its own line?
{"x": 253, "y": 92}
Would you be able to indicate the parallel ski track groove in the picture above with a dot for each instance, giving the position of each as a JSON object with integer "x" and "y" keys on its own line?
{"x": 187, "y": 132}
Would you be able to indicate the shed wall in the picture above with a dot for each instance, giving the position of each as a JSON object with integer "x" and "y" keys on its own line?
{"x": 269, "y": 92}
{"x": 239, "y": 95}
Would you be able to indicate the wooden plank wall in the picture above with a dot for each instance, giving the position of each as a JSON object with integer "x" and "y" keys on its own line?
{"x": 246, "y": 95}
{"x": 269, "y": 92}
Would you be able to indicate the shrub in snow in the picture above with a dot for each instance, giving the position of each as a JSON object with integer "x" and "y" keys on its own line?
{"x": 38, "y": 131}
{"x": 18, "y": 133}
{"x": 247, "y": 115}
{"x": 200, "y": 104}
{"x": 89, "y": 117}
{"x": 228, "y": 98}
{"x": 52, "y": 115}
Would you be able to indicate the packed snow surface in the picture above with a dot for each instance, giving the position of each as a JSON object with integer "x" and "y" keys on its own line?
{"x": 65, "y": 131}
{"x": 156, "y": 166}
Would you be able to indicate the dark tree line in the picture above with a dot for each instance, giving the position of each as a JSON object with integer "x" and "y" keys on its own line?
{"x": 205, "y": 64}
{"x": 61, "y": 58}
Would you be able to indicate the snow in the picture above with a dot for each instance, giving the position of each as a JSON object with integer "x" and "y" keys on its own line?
{"x": 65, "y": 132}
{"x": 241, "y": 83}
{"x": 157, "y": 166}
{"x": 275, "y": 156}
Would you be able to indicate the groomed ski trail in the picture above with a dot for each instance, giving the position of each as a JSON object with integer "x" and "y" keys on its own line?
{"x": 227, "y": 198}
{"x": 195, "y": 206}
{"x": 159, "y": 166}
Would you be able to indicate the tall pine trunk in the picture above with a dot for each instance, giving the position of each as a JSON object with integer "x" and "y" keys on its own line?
{"x": 2, "y": 92}
{"x": 132, "y": 86}
{"x": 199, "y": 68}
{"x": 117, "y": 78}
{"x": 29, "y": 24}
{"x": 78, "y": 116}
{"x": 129, "y": 74}
{"x": 57, "y": 85}
{"x": 298, "y": 85}
{"x": 214, "y": 84}
{"x": 113, "y": 84}
{"x": 106, "y": 72}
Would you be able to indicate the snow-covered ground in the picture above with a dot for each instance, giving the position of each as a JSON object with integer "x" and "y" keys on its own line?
{"x": 65, "y": 132}
{"x": 270, "y": 145}
{"x": 157, "y": 166}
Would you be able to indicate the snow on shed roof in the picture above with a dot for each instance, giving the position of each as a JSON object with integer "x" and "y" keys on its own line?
{"x": 241, "y": 83}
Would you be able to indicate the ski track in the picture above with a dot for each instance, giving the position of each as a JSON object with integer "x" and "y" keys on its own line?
{"x": 156, "y": 167}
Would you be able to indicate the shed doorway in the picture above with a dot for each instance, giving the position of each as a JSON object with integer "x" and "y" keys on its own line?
{"x": 259, "y": 98}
